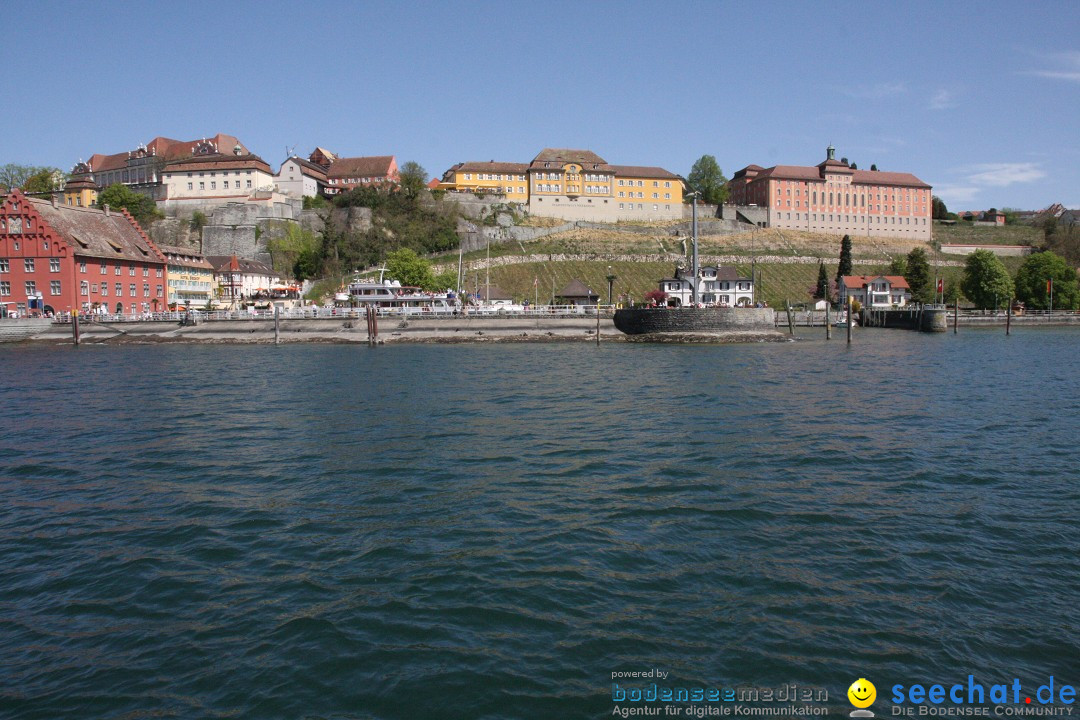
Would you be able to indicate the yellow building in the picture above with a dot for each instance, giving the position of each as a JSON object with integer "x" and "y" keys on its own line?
{"x": 575, "y": 185}
{"x": 190, "y": 278}
{"x": 80, "y": 190}
{"x": 494, "y": 178}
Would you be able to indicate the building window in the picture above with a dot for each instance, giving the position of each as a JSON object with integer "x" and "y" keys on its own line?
{"x": 158, "y": 272}
{"x": 84, "y": 288}
{"x": 104, "y": 268}
{"x": 5, "y": 265}
{"x": 5, "y": 287}
{"x": 249, "y": 183}
{"x": 54, "y": 287}
{"x": 31, "y": 287}
{"x": 213, "y": 184}
{"x": 131, "y": 270}
{"x": 82, "y": 267}
{"x": 134, "y": 290}
{"x": 160, "y": 291}
{"x": 28, "y": 264}
{"x": 104, "y": 289}
{"x": 119, "y": 289}
{"x": 146, "y": 290}
{"x": 202, "y": 185}
{"x": 189, "y": 187}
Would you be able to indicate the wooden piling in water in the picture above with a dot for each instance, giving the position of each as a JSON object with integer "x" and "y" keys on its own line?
{"x": 1008, "y": 316}
{"x": 598, "y": 324}
{"x": 790, "y": 318}
{"x": 277, "y": 325}
{"x": 828, "y": 322}
{"x": 849, "y": 305}
{"x": 955, "y": 315}
{"x": 75, "y": 328}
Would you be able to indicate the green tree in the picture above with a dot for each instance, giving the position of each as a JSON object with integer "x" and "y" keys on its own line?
{"x": 1031, "y": 281}
{"x": 408, "y": 268}
{"x": 821, "y": 290}
{"x": 985, "y": 279}
{"x": 446, "y": 280}
{"x": 844, "y": 268}
{"x": 287, "y": 251}
{"x": 317, "y": 202}
{"x": 938, "y": 209}
{"x": 919, "y": 277}
{"x": 29, "y": 178}
{"x": 142, "y": 207}
{"x": 898, "y": 266}
{"x": 412, "y": 178}
{"x": 707, "y": 178}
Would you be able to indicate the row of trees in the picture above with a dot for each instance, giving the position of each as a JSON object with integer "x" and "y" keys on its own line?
{"x": 985, "y": 280}
{"x": 31, "y": 178}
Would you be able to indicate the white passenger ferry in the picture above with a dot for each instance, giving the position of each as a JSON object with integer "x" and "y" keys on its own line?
{"x": 391, "y": 297}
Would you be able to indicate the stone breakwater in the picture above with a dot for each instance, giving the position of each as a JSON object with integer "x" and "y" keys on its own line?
{"x": 339, "y": 330}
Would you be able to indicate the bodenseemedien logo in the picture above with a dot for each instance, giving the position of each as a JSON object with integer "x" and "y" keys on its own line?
{"x": 862, "y": 694}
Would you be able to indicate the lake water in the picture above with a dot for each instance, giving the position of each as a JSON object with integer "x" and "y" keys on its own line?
{"x": 492, "y": 531}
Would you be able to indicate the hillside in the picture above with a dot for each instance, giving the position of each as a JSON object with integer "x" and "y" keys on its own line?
{"x": 786, "y": 260}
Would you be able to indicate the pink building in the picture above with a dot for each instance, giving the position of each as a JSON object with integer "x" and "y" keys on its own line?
{"x": 834, "y": 198}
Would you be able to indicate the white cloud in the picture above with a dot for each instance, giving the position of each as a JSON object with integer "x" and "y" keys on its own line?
{"x": 878, "y": 91}
{"x": 1004, "y": 174}
{"x": 1069, "y": 67}
{"x": 957, "y": 193}
{"x": 942, "y": 100}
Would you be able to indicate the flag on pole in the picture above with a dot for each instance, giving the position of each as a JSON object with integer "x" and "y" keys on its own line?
{"x": 536, "y": 282}
{"x": 1049, "y": 286}
{"x": 941, "y": 285}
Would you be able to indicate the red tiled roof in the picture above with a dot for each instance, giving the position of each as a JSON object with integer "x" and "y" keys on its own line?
{"x": 374, "y": 166}
{"x": 218, "y": 161}
{"x": 643, "y": 171}
{"x": 857, "y": 281}
{"x": 313, "y": 169}
{"x": 863, "y": 177}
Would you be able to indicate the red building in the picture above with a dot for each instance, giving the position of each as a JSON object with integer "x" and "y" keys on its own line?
{"x": 57, "y": 258}
{"x": 344, "y": 174}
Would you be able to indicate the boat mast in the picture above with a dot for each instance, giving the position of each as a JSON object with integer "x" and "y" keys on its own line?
{"x": 694, "y": 277}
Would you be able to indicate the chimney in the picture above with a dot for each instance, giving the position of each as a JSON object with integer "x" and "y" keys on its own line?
{"x": 106, "y": 209}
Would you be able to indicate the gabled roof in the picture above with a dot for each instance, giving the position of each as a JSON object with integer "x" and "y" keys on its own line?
{"x": 90, "y": 232}
{"x": 184, "y": 257}
{"x": 307, "y": 168}
{"x": 227, "y": 263}
{"x": 857, "y": 281}
{"x": 557, "y": 157}
{"x": 166, "y": 148}
{"x": 494, "y": 292}
{"x": 577, "y": 289}
{"x": 374, "y": 166}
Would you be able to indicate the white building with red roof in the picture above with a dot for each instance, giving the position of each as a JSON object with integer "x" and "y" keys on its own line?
{"x": 344, "y": 174}
{"x": 140, "y": 168}
{"x": 876, "y": 291}
{"x": 835, "y": 198}
{"x": 211, "y": 176}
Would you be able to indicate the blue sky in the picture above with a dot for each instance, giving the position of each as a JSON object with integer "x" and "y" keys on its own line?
{"x": 981, "y": 100}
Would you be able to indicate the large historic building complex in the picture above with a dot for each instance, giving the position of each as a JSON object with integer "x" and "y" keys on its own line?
{"x": 575, "y": 185}
{"x": 833, "y": 197}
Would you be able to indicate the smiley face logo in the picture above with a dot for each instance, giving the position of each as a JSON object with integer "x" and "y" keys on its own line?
{"x": 862, "y": 693}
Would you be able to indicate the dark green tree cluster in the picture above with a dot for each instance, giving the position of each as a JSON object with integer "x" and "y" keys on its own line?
{"x": 142, "y": 207}
{"x": 31, "y": 178}
{"x": 986, "y": 281}
{"x": 404, "y": 216}
{"x": 1032, "y": 282}
{"x": 919, "y": 277}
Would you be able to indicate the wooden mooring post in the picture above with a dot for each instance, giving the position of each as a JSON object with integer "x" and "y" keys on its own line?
{"x": 1008, "y": 316}
{"x": 849, "y": 306}
{"x": 956, "y": 316}
{"x": 828, "y": 322}
{"x": 75, "y": 328}
{"x": 277, "y": 325}
{"x": 790, "y": 317}
{"x": 598, "y": 324}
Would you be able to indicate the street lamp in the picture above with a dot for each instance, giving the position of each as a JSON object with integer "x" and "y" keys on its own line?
{"x": 610, "y": 283}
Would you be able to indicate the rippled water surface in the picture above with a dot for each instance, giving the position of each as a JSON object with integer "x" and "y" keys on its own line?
{"x": 491, "y": 531}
